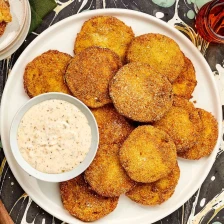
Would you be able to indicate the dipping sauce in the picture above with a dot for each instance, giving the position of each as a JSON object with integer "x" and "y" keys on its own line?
{"x": 54, "y": 136}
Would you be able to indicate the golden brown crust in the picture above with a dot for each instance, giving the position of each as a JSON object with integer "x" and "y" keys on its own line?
{"x": 157, "y": 192}
{"x": 84, "y": 203}
{"x": 182, "y": 123}
{"x": 104, "y": 31}
{"x": 146, "y": 194}
{"x": 207, "y": 139}
{"x": 170, "y": 181}
{"x": 5, "y": 15}
{"x": 148, "y": 154}
{"x": 160, "y": 52}
{"x": 46, "y": 73}
{"x": 105, "y": 175}
{"x": 2, "y": 27}
{"x": 113, "y": 127}
{"x": 89, "y": 73}
{"x": 185, "y": 83}
{"x": 140, "y": 93}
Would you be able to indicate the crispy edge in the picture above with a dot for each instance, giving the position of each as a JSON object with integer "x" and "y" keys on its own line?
{"x": 82, "y": 36}
{"x": 166, "y": 124}
{"x": 207, "y": 139}
{"x": 2, "y": 27}
{"x": 186, "y": 82}
{"x": 157, "y": 192}
{"x": 136, "y": 54}
{"x": 129, "y": 103}
{"x": 38, "y": 58}
{"x": 83, "y": 203}
{"x": 146, "y": 194}
{"x": 113, "y": 127}
{"x": 170, "y": 181}
{"x": 134, "y": 147}
{"x": 98, "y": 174}
{"x": 78, "y": 84}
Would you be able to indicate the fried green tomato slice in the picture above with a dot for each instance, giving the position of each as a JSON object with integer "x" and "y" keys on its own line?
{"x": 160, "y": 52}
{"x": 185, "y": 83}
{"x": 84, "y": 203}
{"x": 113, "y": 127}
{"x": 207, "y": 139}
{"x": 140, "y": 93}
{"x": 148, "y": 154}
{"x": 146, "y": 194}
{"x": 157, "y": 192}
{"x": 46, "y": 73}
{"x": 182, "y": 123}
{"x": 170, "y": 181}
{"x": 105, "y": 174}
{"x": 89, "y": 73}
{"x": 107, "y": 32}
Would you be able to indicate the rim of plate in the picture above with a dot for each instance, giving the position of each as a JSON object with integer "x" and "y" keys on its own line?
{"x": 163, "y": 24}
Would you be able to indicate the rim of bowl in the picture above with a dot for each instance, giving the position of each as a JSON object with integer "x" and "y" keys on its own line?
{"x": 61, "y": 176}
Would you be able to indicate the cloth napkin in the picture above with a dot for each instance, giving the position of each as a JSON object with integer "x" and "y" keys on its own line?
{"x": 39, "y": 9}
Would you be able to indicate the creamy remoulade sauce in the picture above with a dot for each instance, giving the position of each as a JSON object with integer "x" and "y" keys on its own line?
{"x": 54, "y": 136}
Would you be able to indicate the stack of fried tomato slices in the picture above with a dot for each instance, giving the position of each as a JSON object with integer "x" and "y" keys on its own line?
{"x": 138, "y": 89}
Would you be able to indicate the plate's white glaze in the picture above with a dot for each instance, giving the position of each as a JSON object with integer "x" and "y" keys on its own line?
{"x": 18, "y": 11}
{"x": 61, "y": 37}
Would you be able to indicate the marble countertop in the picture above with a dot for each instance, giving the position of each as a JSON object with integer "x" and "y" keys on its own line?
{"x": 208, "y": 202}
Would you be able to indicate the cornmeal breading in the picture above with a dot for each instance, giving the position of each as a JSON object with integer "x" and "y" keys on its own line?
{"x": 140, "y": 93}
{"x": 46, "y": 73}
{"x": 5, "y": 15}
{"x": 148, "y": 154}
{"x": 160, "y": 52}
{"x": 207, "y": 138}
{"x": 107, "y": 32}
{"x": 84, "y": 203}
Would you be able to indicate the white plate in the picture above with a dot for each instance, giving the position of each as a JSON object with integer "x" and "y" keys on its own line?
{"x": 61, "y": 37}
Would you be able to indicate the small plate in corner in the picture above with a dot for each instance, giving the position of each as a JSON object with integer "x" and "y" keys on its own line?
{"x": 13, "y": 29}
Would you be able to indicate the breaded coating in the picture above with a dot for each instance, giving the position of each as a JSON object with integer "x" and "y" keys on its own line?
{"x": 107, "y": 32}
{"x": 113, "y": 127}
{"x": 84, "y": 203}
{"x": 170, "y": 181}
{"x": 5, "y": 15}
{"x": 140, "y": 93}
{"x": 89, "y": 73}
{"x": 2, "y": 27}
{"x": 185, "y": 83}
{"x": 105, "y": 175}
{"x": 160, "y": 52}
{"x": 157, "y": 192}
{"x": 148, "y": 154}
{"x": 182, "y": 123}
{"x": 46, "y": 73}
{"x": 207, "y": 139}
{"x": 146, "y": 194}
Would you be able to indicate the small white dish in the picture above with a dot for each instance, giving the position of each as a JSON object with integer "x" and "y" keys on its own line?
{"x": 61, "y": 176}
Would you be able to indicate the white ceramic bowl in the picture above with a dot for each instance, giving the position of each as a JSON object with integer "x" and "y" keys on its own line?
{"x": 62, "y": 176}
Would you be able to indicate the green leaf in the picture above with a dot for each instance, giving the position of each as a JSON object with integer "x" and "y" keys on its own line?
{"x": 39, "y": 9}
